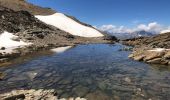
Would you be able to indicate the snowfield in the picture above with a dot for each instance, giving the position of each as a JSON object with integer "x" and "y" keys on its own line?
{"x": 67, "y": 24}
{"x": 6, "y": 40}
{"x": 158, "y": 49}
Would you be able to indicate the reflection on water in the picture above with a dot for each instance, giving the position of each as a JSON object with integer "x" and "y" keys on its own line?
{"x": 95, "y": 72}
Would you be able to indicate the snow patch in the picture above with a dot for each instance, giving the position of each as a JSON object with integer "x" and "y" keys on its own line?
{"x": 159, "y": 49}
{"x": 165, "y": 31}
{"x": 67, "y": 24}
{"x": 6, "y": 40}
{"x": 61, "y": 49}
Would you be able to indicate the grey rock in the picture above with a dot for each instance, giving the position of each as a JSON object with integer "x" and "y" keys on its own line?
{"x": 155, "y": 61}
{"x": 167, "y": 55}
{"x": 139, "y": 57}
{"x": 153, "y": 54}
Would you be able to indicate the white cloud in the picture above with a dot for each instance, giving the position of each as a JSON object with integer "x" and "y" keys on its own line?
{"x": 114, "y": 29}
{"x": 153, "y": 27}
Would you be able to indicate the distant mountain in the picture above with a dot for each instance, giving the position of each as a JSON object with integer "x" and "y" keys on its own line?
{"x": 134, "y": 34}
{"x": 143, "y": 33}
{"x": 157, "y": 41}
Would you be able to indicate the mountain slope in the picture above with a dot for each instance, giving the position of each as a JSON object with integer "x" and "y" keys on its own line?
{"x": 74, "y": 27}
{"x": 135, "y": 34}
{"x": 15, "y": 21}
{"x": 18, "y": 5}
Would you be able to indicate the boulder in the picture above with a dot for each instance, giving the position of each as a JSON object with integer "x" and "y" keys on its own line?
{"x": 2, "y": 48}
{"x": 152, "y": 55}
{"x": 131, "y": 56}
{"x": 167, "y": 55}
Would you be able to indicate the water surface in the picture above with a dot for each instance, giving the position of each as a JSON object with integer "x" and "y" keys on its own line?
{"x": 94, "y": 71}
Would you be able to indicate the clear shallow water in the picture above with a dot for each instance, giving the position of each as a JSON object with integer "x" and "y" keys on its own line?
{"x": 94, "y": 71}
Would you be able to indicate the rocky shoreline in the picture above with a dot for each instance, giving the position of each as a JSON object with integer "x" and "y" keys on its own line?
{"x": 34, "y": 95}
{"x": 153, "y": 50}
{"x": 152, "y": 56}
{"x": 23, "y": 51}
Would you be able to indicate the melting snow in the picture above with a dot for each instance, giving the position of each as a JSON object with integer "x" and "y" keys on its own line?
{"x": 7, "y": 42}
{"x": 67, "y": 24}
{"x": 159, "y": 49}
{"x": 61, "y": 49}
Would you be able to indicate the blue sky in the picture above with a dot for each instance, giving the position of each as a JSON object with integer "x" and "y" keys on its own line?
{"x": 128, "y": 13}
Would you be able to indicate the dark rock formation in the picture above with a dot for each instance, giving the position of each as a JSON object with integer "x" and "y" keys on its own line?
{"x": 16, "y": 21}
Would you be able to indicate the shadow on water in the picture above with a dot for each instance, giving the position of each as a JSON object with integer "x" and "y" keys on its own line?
{"x": 94, "y": 71}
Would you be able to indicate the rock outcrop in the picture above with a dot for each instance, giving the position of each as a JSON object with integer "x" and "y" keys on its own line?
{"x": 153, "y": 50}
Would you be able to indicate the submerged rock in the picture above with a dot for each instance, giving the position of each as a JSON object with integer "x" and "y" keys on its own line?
{"x": 2, "y": 75}
{"x": 127, "y": 79}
